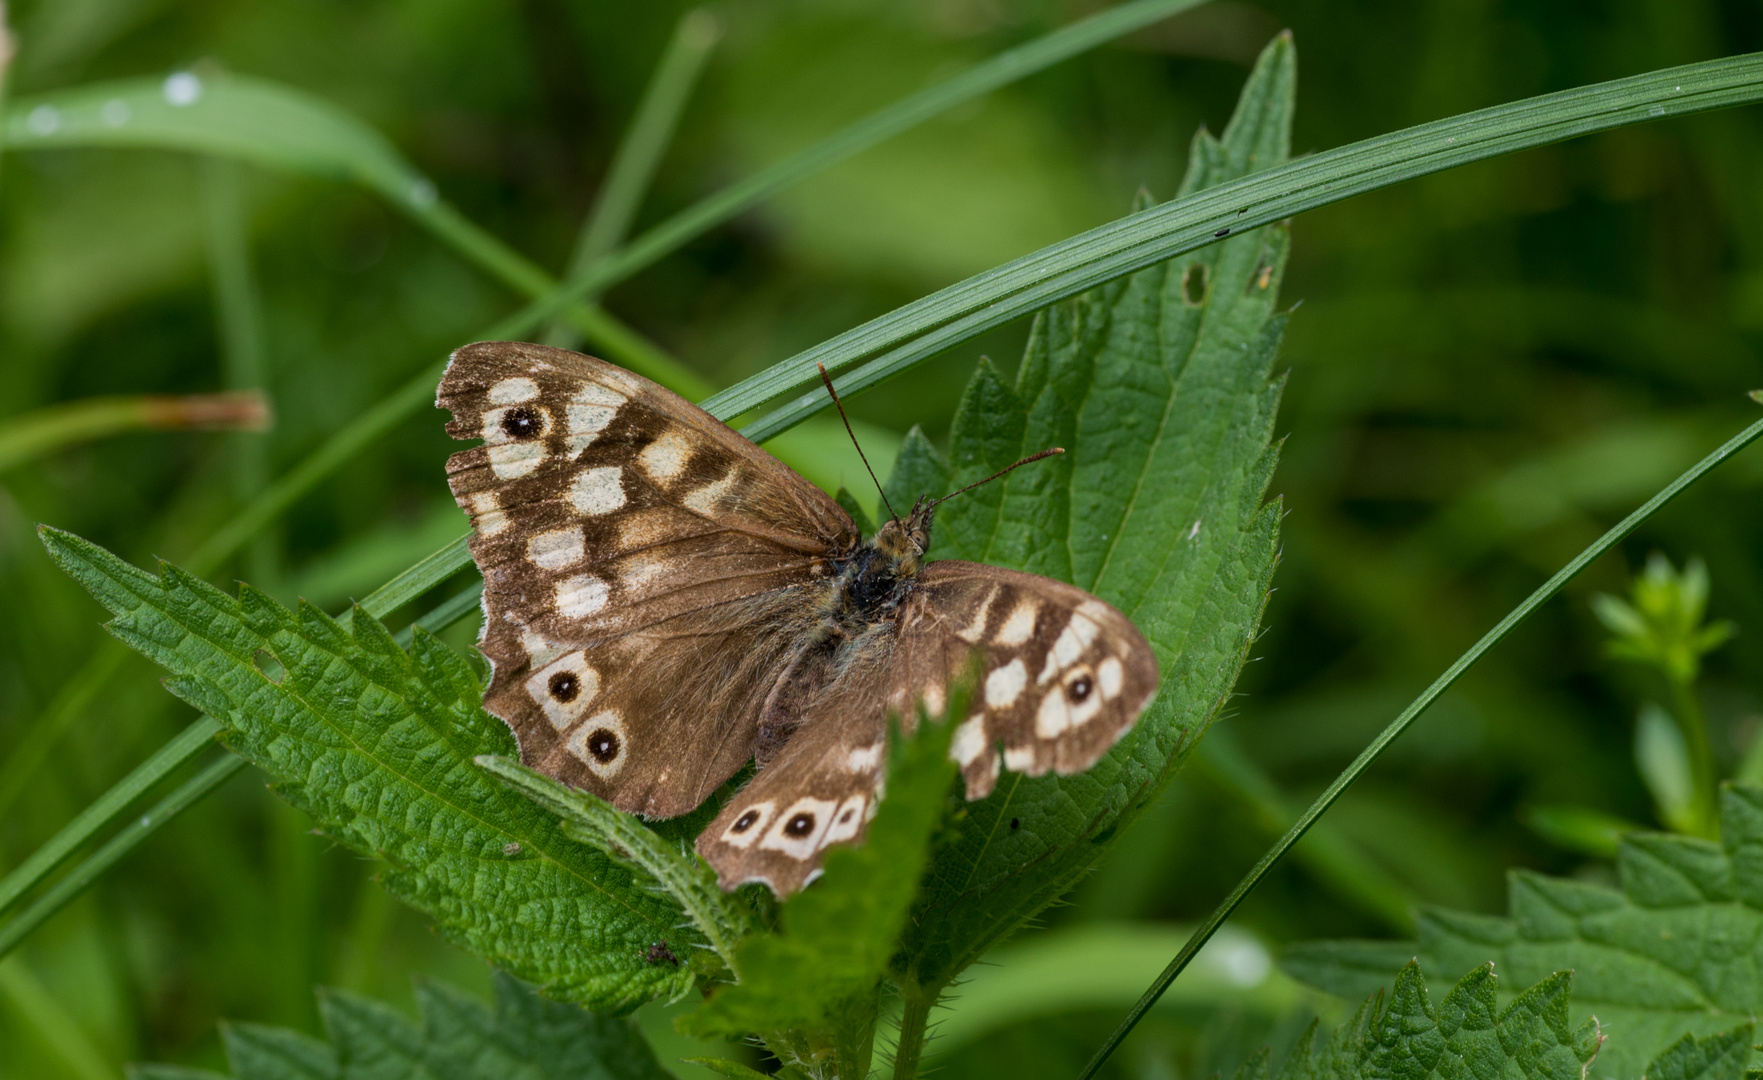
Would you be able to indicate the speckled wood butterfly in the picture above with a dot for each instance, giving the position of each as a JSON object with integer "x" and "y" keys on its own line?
{"x": 664, "y": 601}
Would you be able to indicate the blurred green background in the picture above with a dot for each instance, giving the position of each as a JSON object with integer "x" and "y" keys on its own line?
{"x": 1488, "y": 367}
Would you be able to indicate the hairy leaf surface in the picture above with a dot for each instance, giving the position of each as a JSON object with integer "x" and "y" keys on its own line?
{"x": 1159, "y": 387}
{"x": 377, "y": 744}
{"x": 1467, "y": 1035}
{"x": 521, "y": 1037}
{"x": 1677, "y": 950}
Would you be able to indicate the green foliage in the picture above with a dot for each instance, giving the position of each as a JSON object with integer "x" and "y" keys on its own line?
{"x": 1159, "y": 388}
{"x": 1673, "y": 952}
{"x": 1406, "y": 1037}
{"x": 1661, "y": 623}
{"x": 521, "y": 1037}
{"x": 377, "y": 744}
{"x": 822, "y": 970}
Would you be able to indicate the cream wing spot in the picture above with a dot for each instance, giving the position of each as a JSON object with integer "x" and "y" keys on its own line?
{"x": 712, "y": 496}
{"x": 1004, "y": 685}
{"x": 597, "y": 491}
{"x": 513, "y": 391}
{"x": 513, "y": 460}
{"x": 1079, "y": 632}
{"x": 864, "y": 758}
{"x": 581, "y": 596}
{"x": 934, "y": 699}
{"x": 1053, "y": 717}
{"x": 600, "y": 743}
{"x": 588, "y": 413}
{"x": 1110, "y": 675}
{"x": 486, "y": 511}
{"x": 969, "y": 741}
{"x": 976, "y": 627}
{"x": 846, "y": 821}
{"x": 540, "y": 650}
{"x": 742, "y": 831}
{"x": 1019, "y": 758}
{"x": 667, "y": 457}
{"x": 798, "y": 829}
{"x": 563, "y": 689}
{"x": 1020, "y": 626}
{"x": 556, "y": 549}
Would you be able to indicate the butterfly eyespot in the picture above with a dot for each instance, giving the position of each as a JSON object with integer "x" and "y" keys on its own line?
{"x": 800, "y": 825}
{"x": 603, "y": 744}
{"x": 521, "y": 423}
{"x": 564, "y": 687}
{"x": 1081, "y": 688}
{"x": 745, "y": 821}
{"x": 845, "y": 817}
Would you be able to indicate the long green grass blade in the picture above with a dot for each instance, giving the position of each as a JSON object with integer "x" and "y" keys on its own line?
{"x": 1400, "y": 724}
{"x": 651, "y": 131}
{"x": 903, "y": 115}
{"x": 925, "y": 327}
{"x": 90, "y": 870}
{"x": 113, "y": 802}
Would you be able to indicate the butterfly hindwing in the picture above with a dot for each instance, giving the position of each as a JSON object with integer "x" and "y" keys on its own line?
{"x": 1063, "y": 675}
{"x": 621, "y": 532}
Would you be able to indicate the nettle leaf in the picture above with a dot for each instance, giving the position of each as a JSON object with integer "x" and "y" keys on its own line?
{"x": 1159, "y": 387}
{"x": 1404, "y": 1037}
{"x": 1677, "y": 951}
{"x": 521, "y": 1037}
{"x": 377, "y": 744}
{"x": 821, "y": 971}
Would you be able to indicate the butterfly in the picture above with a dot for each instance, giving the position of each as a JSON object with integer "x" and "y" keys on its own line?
{"x": 664, "y": 602}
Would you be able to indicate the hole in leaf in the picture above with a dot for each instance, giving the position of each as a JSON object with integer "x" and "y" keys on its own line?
{"x": 269, "y": 666}
{"x": 1194, "y": 284}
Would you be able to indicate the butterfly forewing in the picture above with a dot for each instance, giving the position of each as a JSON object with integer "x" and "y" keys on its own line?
{"x": 647, "y": 571}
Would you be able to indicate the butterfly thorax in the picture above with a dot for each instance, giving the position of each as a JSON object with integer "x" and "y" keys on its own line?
{"x": 880, "y": 573}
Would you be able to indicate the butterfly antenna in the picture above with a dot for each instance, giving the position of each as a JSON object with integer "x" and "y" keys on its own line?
{"x": 828, "y": 380}
{"x": 1047, "y": 453}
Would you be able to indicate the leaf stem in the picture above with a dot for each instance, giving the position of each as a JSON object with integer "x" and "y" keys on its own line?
{"x": 915, "y": 1007}
{"x": 1688, "y": 710}
{"x": 1400, "y": 724}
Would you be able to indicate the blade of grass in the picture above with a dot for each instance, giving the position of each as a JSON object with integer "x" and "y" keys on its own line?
{"x": 1400, "y": 724}
{"x": 639, "y": 153}
{"x": 56, "y": 1031}
{"x": 239, "y": 321}
{"x": 925, "y": 327}
{"x": 113, "y": 802}
{"x": 736, "y": 199}
{"x": 82, "y": 876}
{"x": 44, "y": 431}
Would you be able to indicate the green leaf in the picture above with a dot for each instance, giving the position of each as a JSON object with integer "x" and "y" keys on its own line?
{"x": 1405, "y": 1037}
{"x": 1672, "y": 953}
{"x": 821, "y": 971}
{"x": 257, "y": 1052}
{"x": 377, "y": 744}
{"x": 724, "y": 1067}
{"x": 1717, "y": 1057}
{"x": 1158, "y": 386}
{"x": 522, "y": 1036}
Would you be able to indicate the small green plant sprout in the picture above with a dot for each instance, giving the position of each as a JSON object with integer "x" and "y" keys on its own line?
{"x": 1661, "y": 627}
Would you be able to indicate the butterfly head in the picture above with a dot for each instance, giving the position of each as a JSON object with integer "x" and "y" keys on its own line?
{"x": 904, "y": 543}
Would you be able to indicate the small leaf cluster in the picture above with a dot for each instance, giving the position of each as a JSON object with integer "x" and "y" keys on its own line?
{"x": 1660, "y": 625}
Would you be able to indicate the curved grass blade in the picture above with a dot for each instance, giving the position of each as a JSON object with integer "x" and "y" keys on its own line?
{"x": 639, "y": 153}
{"x": 919, "y": 330}
{"x": 88, "y": 871}
{"x": 44, "y": 431}
{"x": 1400, "y": 724}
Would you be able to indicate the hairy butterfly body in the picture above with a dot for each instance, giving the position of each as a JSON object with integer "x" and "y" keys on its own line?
{"x": 664, "y": 601}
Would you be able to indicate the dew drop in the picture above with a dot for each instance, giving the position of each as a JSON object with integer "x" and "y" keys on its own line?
{"x": 116, "y": 112}
{"x": 182, "y": 88}
{"x": 44, "y": 120}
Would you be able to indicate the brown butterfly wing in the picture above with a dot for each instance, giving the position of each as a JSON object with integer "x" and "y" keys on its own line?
{"x": 1063, "y": 676}
{"x": 820, "y": 790}
{"x": 622, "y": 532}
